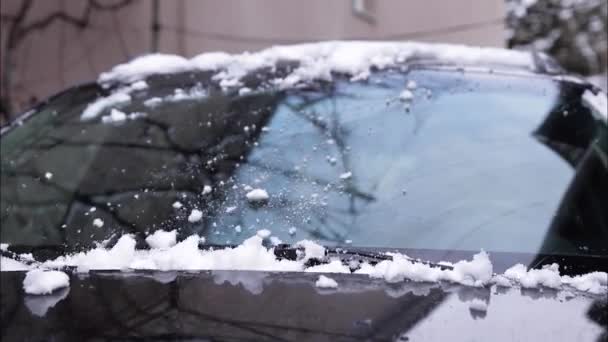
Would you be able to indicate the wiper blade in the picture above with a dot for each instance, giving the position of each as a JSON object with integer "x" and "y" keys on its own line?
{"x": 349, "y": 256}
{"x": 19, "y": 258}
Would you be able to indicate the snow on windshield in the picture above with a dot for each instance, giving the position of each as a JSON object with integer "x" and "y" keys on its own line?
{"x": 599, "y": 102}
{"x": 165, "y": 254}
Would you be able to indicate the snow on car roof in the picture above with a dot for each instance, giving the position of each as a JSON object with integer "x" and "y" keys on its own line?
{"x": 317, "y": 60}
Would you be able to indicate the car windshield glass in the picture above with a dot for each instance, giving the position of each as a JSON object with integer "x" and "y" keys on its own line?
{"x": 425, "y": 158}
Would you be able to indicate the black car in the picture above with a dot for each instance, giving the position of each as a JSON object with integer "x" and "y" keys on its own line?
{"x": 423, "y": 156}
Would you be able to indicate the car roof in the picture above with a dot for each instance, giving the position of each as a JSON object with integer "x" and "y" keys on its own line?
{"x": 319, "y": 60}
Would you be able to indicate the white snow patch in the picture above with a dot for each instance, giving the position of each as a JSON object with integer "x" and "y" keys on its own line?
{"x": 244, "y": 91}
{"x": 292, "y": 230}
{"x": 334, "y": 266}
{"x": 257, "y": 195}
{"x": 195, "y": 215}
{"x": 600, "y": 80}
{"x": 116, "y": 258}
{"x": 547, "y": 276}
{"x": 153, "y": 102}
{"x": 26, "y": 257}
{"x": 346, "y": 175}
{"x": 411, "y": 85}
{"x": 185, "y": 255}
{"x": 264, "y": 233}
{"x": 194, "y": 93}
{"x": 114, "y": 116}
{"x": 594, "y": 282}
{"x": 316, "y": 61}
{"x": 406, "y": 95}
{"x": 147, "y": 65}
{"x": 230, "y": 209}
{"x": 117, "y": 116}
{"x": 95, "y": 108}
{"x": 311, "y": 250}
{"x": 275, "y": 241}
{"x": 501, "y": 280}
{"x": 177, "y": 205}
{"x": 207, "y": 189}
{"x": 40, "y": 282}
{"x": 326, "y": 282}
{"x": 136, "y": 115}
{"x": 139, "y": 85}
{"x": 98, "y": 222}
{"x": 162, "y": 239}
{"x": 165, "y": 254}
{"x": 8, "y": 264}
{"x": 477, "y": 272}
{"x": 598, "y": 101}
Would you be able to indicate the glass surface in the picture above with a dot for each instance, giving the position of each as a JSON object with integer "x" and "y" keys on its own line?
{"x": 477, "y": 160}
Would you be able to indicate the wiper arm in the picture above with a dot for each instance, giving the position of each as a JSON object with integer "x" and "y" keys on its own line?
{"x": 349, "y": 256}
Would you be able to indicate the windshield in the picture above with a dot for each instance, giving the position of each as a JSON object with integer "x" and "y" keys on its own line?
{"x": 460, "y": 161}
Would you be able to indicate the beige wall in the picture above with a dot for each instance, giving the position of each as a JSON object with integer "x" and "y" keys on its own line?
{"x": 62, "y": 55}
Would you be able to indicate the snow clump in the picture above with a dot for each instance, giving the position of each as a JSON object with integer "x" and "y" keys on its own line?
{"x": 326, "y": 282}
{"x": 161, "y": 239}
{"x": 39, "y": 282}
{"x": 195, "y": 216}
{"x": 257, "y": 195}
{"x": 98, "y": 222}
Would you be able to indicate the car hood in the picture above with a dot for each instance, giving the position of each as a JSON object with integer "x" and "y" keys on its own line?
{"x": 249, "y": 305}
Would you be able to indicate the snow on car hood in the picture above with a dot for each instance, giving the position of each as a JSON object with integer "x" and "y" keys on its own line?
{"x": 165, "y": 254}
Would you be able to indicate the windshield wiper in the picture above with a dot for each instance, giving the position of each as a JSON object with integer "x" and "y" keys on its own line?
{"x": 351, "y": 256}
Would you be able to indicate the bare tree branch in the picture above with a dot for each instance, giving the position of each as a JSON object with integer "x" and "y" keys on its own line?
{"x": 18, "y": 31}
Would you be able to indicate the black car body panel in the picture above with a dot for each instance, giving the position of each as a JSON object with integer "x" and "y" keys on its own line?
{"x": 266, "y": 306}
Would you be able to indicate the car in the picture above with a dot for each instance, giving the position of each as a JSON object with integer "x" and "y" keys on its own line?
{"x": 334, "y": 191}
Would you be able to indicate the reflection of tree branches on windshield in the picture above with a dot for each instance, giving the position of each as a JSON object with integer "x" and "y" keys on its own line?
{"x": 166, "y": 157}
{"x": 75, "y": 196}
{"x": 50, "y": 142}
{"x": 297, "y": 174}
{"x": 122, "y": 318}
{"x": 303, "y": 105}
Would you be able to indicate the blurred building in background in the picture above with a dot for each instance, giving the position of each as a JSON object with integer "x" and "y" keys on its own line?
{"x": 48, "y": 45}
